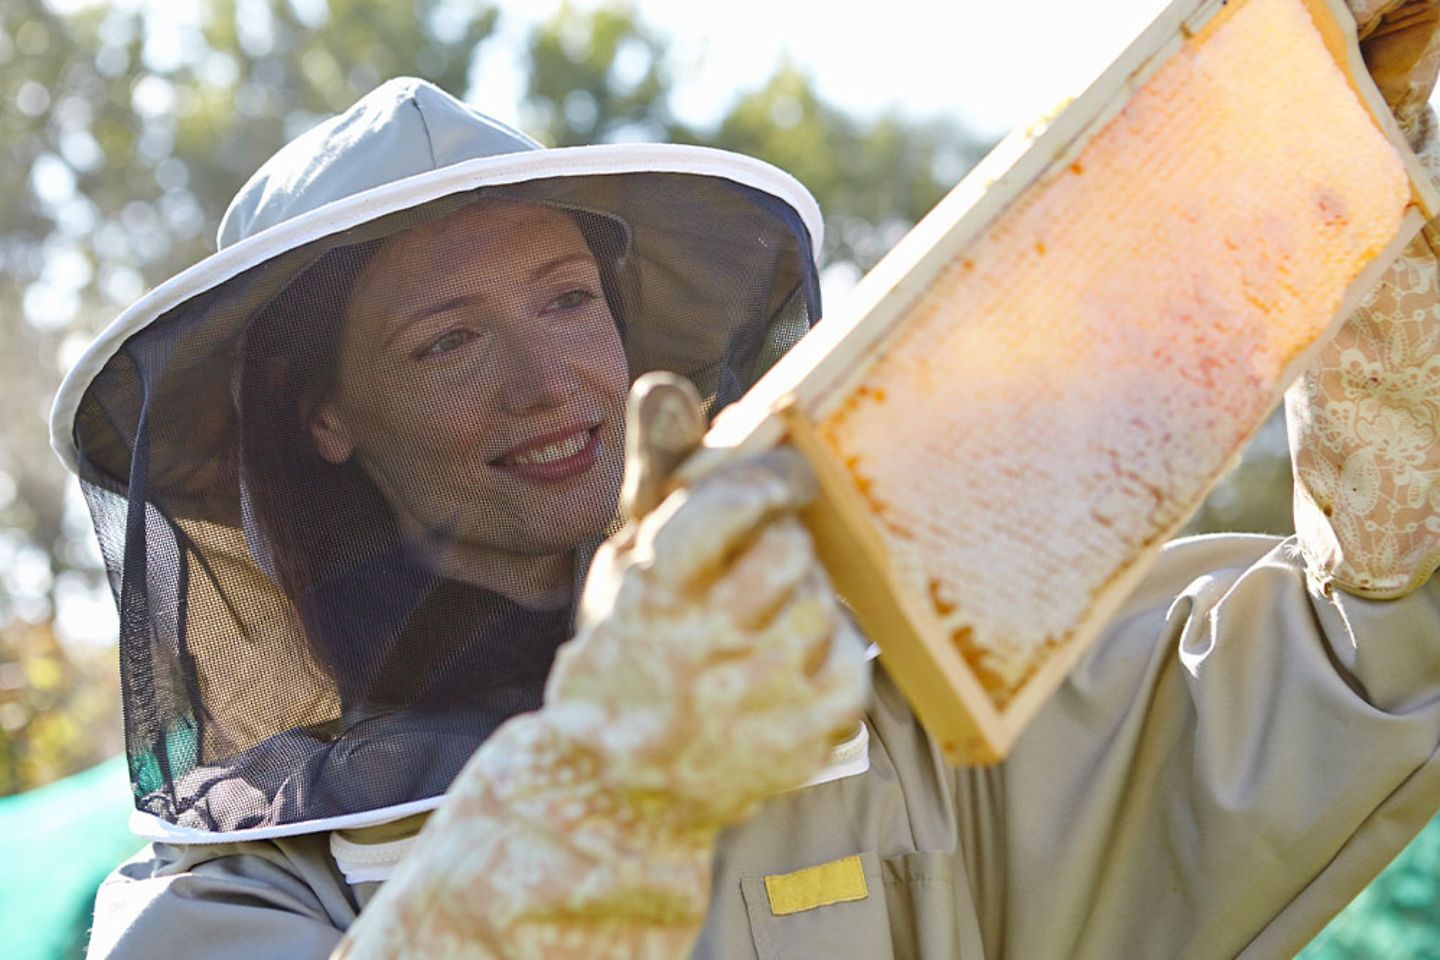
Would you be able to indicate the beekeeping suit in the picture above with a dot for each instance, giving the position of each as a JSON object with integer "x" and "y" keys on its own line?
{"x": 323, "y": 626}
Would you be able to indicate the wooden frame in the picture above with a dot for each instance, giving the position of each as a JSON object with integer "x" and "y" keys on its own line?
{"x": 818, "y": 374}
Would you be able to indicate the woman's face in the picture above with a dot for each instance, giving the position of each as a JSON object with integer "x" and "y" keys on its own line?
{"x": 481, "y": 382}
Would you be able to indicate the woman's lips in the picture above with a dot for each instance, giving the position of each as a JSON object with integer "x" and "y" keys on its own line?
{"x": 554, "y": 456}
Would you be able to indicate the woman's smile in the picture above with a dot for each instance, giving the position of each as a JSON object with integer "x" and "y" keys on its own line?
{"x": 554, "y": 456}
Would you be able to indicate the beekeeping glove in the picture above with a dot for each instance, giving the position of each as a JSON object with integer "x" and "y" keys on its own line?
{"x": 712, "y": 666}
{"x": 1364, "y": 420}
{"x": 1398, "y": 41}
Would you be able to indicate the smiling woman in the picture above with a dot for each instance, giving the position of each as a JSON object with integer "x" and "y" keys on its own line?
{"x": 378, "y": 440}
{"x": 484, "y": 401}
{"x": 427, "y": 452}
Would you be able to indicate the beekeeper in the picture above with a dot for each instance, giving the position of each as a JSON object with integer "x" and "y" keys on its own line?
{"x": 349, "y": 473}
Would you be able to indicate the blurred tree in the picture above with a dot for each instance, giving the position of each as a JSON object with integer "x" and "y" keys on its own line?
{"x": 602, "y": 76}
{"x": 56, "y": 707}
{"x": 873, "y": 179}
{"x": 128, "y": 129}
{"x": 597, "y": 77}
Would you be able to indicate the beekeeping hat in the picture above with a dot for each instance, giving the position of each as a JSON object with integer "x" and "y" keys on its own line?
{"x": 340, "y": 469}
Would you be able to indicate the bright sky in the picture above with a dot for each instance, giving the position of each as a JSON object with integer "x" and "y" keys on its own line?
{"x": 996, "y": 65}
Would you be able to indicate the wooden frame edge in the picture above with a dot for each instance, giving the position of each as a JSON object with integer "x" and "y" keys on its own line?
{"x": 930, "y": 672}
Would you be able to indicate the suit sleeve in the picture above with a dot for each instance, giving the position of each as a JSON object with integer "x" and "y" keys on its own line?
{"x": 256, "y": 901}
{"x": 1232, "y": 763}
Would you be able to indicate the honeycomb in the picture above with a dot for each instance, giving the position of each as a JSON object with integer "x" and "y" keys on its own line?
{"x": 1090, "y": 364}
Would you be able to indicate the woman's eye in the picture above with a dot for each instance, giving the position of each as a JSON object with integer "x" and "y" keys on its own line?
{"x": 572, "y": 299}
{"x": 447, "y": 342}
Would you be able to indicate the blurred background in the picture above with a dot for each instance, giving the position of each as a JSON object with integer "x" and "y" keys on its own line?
{"x": 125, "y": 128}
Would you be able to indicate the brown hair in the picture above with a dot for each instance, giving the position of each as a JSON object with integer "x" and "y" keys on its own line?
{"x": 312, "y": 517}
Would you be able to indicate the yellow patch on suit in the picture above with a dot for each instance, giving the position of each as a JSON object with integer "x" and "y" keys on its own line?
{"x": 838, "y": 881}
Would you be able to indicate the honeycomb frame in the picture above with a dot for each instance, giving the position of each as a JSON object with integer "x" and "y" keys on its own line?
{"x": 809, "y": 384}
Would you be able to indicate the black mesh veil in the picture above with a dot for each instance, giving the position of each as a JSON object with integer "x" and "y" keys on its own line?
{"x": 344, "y": 496}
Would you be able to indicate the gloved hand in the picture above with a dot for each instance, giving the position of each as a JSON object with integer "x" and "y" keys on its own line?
{"x": 1398, "y": 41}
{"x": 1365, "y": 419}
{"x": 712, "y": 666}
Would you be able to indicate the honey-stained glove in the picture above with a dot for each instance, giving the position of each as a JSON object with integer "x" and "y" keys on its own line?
{"x": 712, "y": 666}
{"x": 1365, "y": 419}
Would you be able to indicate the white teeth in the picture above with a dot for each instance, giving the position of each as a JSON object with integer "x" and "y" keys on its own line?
{"x": 551, "y": 452}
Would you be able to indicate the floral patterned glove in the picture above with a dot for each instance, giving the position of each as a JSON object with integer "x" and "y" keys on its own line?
{"x": 712, "y": 666}
{"x": 1365, "y": 419}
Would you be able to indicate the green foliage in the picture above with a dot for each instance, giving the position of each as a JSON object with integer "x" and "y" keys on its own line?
{"x": 1396, "y": 916}
{"x": 57, "y": 708}
{"x": 602, "y": 76}
{"x": 873, "y": 180}
{"x": 156, "y": 136}
{"x": 68, "y": 835}
{"x": 597, "y": 77}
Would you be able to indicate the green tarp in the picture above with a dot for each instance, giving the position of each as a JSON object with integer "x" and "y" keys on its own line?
{"x": 56, "y": 845}
{"x": 1397, "y": 917}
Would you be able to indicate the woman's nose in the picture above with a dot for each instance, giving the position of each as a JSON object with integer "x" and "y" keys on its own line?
{"x": 541, "y": 372}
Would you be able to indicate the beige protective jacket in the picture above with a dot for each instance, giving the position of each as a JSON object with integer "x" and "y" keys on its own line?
{"x": 1233, "y": 761}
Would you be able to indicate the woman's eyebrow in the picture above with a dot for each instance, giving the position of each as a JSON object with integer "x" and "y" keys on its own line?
{"x": 565, "y": 259}
{"x": 460, "y": 300}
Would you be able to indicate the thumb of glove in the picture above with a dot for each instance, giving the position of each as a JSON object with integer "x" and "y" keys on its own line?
{"x": 664, "y": 423}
